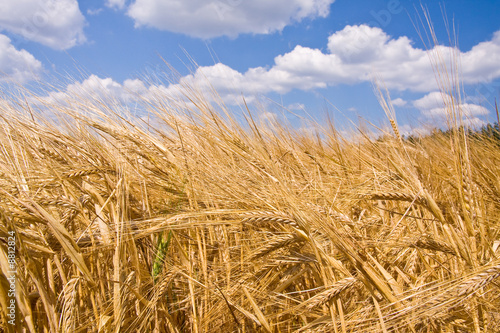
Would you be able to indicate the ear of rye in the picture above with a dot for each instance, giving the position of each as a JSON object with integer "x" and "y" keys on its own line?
{"x": 65, "y": 239}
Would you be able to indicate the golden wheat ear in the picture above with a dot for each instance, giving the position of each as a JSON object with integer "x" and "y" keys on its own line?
{"x": 200, "y": 223}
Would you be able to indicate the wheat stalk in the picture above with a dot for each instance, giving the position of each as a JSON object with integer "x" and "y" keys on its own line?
{"x": 274, "y": 244}
{"x": 428, "y": 243}
{"x": 270, "y": 217}
{"x": 68, "y": 300}
{"x": 397, "y": 196}
{"x": 333, "y": 291}
{"x": 478, "y": 281}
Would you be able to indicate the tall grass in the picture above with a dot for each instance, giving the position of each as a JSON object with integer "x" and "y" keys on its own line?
{"x": 196, "y": 222}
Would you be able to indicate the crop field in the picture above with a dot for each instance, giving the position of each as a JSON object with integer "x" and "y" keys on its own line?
{"x": 194, "y": 221}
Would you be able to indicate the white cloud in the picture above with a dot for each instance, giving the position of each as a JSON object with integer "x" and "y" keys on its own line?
{"x": 17, "y": 65}
{"x": 268, "y": 117}
{"x": 370, "y": 53}
{"x": 432, "y": 100}
{"x": 437, "y": 105}
{"x": 118, "y": 4}
{"x": 136, "y": 87}
{"x": 94, "y": 12}
{"x": 399, "y": 102}
{"x": 296, "y": 106}
{"x": 481, "y": 63}
{"x": 102, "y": 89}
{"x": 55, "y": 23}
{"x": 213, "y": 18}
{"x": 355, "y": 44}
{"x": 422, "y": 130}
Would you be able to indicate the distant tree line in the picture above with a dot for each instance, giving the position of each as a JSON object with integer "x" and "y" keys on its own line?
{"x": 489, "y": 131}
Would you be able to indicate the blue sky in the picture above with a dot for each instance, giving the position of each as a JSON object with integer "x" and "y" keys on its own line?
{"x": 309, "y": 56}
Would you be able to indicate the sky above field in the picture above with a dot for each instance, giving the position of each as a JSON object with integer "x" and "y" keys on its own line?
{"x": 291, "y": 57}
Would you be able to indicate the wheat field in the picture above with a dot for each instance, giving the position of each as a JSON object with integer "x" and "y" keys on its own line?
{"x": 194, "y": 221}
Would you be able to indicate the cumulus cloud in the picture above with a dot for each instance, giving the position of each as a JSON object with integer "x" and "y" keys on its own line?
{"x": 54, "y": 23}
{"x": 94, "y": 12}
{"x": 370, "y": 53}
{"x": 432, "y": 100}
{"x": 118, "y": 4}
{"x": 268, "y": 117}
{"x": 355, "y": 54}
{"x": 437, "y": 106}
{"x": 17, "y": 65}
{"x": 481, "y": 63}
{"x": 207, "y": 19}
{"x": 102, "y": 89}
{"x": 421, "y": 130}
{"x": 399, "y": 102}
